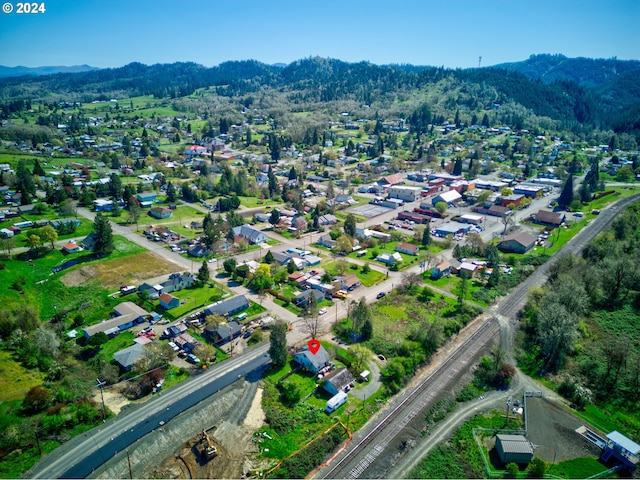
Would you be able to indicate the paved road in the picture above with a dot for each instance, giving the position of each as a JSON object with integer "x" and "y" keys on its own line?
{"x": 81, "y": 455}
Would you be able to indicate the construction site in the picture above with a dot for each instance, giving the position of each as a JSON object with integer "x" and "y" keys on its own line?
{"x": 219, "y": 433}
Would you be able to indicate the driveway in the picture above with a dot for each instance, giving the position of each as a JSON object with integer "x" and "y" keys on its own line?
{"x": 374, "y": 381}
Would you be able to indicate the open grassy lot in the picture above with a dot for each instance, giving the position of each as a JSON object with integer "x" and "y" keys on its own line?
{"x": 368, "y": 279}
{"x": 191, "y": 299}
{"x": 15, "y": 380}
{"x": 83, "y": 289}
{"x": 253, "y": 202}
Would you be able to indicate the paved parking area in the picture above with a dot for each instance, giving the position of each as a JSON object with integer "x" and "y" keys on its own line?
{"x": 369, "y": 211}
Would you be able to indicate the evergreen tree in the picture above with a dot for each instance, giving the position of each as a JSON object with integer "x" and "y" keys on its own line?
{"x": 171, "y": 193}
{"x": 457, "y": 167}
{"x": 485, "y": 120}
{"x": 367, "y": 330}
{"x": 278, "y": 344}
{"x": 426, "y": 236}
{"x": 203, "y": 272}
{"x": 268, "y": 257}
{"x": 103, "y": 244}
{"x": 274, "y": 218}
{"x": 115, "y": 187}
{"x": 24, "y": 182}
{"x": 292, "y": 173}
{"x": 566, "y": 196}
{"x": 291, "y": 267}
{"x": 38, "y": 171}
{"x": 273, "y": 183}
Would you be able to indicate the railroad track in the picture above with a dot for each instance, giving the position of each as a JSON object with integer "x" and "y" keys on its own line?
{"x": 365, "y": 452}
{"x": 358, "y": 461}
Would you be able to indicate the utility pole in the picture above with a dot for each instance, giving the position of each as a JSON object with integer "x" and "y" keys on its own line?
{"x": 479, "y": 60}
{"x": 100, "y": 385}
{"x": 129, "y": 461}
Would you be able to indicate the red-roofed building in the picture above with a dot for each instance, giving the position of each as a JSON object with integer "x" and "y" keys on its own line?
{"x": 168, "y": 301}
{"x": 71, "y": 247}
{"x": 391, "y": 180}
{"x": 408, "y": 248}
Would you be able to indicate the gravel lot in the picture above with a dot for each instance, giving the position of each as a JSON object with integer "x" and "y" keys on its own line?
{"x": 552, "y": 430}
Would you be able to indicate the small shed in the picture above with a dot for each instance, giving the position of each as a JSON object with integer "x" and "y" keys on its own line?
{"x": 339, "y": 380}
{"x": 514, "y": 448}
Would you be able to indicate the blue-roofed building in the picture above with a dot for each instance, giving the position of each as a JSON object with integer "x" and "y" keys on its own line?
{"x": 310, "y": 361}
{"x": 622, "y": 449}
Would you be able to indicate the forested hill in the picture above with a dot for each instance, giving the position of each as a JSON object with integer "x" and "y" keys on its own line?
{"x": 610, "y": 99}
{"x": 589, "y": 72}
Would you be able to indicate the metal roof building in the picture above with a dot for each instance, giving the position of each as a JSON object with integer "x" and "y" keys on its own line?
{"x": 514, "y": 448}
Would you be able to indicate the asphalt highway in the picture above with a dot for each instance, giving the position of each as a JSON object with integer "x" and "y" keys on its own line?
{"x": 88, "y": 452}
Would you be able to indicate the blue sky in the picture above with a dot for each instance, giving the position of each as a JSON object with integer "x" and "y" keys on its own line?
{"x": 450, "y": 33}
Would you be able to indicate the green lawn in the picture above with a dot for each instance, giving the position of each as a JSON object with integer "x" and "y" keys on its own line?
{"x": 15, "y": 380}
{"x": 368, "y": 279}
{"x": 253, "y": 202}
{"x": 583, "y": 467}
{"x": 192, "y": 299}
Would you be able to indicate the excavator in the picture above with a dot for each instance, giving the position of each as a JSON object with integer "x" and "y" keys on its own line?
{"x": 209, "y": 450}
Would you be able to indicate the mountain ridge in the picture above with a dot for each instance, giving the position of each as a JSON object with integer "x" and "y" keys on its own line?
{"x": 21, "y": 71}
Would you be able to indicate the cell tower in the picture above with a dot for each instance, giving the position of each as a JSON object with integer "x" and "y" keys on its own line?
{"x": 479, "y": 60}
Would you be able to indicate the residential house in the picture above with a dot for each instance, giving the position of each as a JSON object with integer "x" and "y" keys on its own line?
{"x": 520, "y": 242}
{"x": 312, "y": 260}
{"x": 150, "y": 291}
{"x": 56, "y": 224}
{"x": 223, "y": 332}
{"x": 302, "y": 298}
{"x": 129, "y": 356}
{"x": 89, "y": 241}
{"x": 251, "y": 235}
{"x": 390, "y": 258}
{"x": 178, "y": 281}
{"x": 312, "y": 362}
{"x": 282, "y": 258}
{"x": 338, "y": 380}
{"x": 443, "y": 269}
{"x": 348, "y": 282}
{"x": 160, "y": 212}
{"x": 146, "y": 199}
{"x": 103, "y": 205}
{"x": 326, "y": 241}
{"x": 228, "y": 307}
{"x": 186, "y": 342}
{"x": 168, "y": 301}
{"x": 408, "y": 248}
{"x": 467, "y": 270}
{"x": 71, "y": 247}
{"x": 545, "y": 217}
{"x": 127, "y": 314}
{"x": 175, "y": 330}
{"x": 198, "y": 250}
{"x": 324, "y": 220}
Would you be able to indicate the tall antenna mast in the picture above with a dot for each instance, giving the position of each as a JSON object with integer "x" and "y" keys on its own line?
{"x": 479, "y": 60}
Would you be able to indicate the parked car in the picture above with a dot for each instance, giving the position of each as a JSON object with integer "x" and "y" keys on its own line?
{"x": 191, "y": 358}
{"x": 380, "y": 295}
{"x": 322, "y": 311}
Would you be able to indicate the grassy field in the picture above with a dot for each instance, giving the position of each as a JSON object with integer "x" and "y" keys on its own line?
{"x": 84, "y": 288}
{"x": 15, "y": 380}
{"x": 193, "y": 298}
{"x": 253, "y": 202}
{"x": 368, "y": 279}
